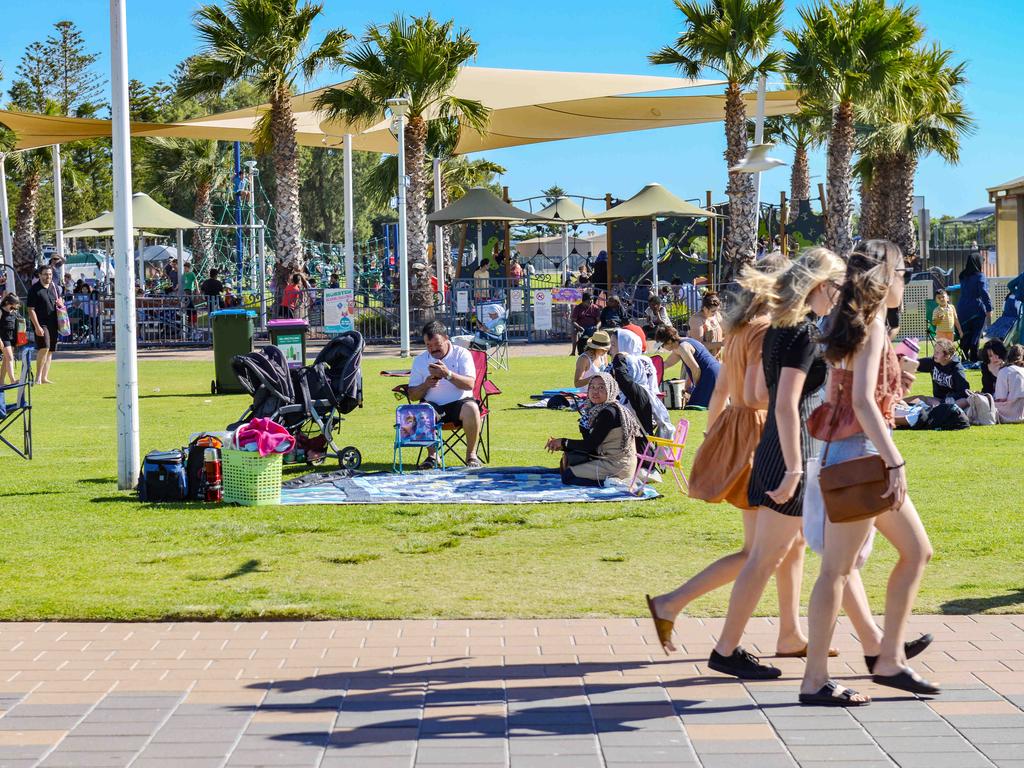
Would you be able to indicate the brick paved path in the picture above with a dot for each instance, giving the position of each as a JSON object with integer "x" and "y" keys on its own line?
{"x": 546, "y": 694}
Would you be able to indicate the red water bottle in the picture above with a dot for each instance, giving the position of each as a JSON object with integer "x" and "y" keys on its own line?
{"x": 211, "y": 466}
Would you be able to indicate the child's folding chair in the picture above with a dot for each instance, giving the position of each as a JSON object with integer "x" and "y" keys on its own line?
{"x": 416, "y": 426}
{"x": 662, "y": 453}
{"x": 18, "y": 411}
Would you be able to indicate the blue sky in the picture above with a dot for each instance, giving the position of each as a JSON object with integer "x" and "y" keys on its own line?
{"x": 607, "y": 36}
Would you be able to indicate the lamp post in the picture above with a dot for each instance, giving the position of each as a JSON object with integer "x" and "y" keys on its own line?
{"x": 251, "y": 172}
{"x": 124, "y": 308}
{"x": 350, "y": 245}
{"x": 58, "y": 210}
{"x": 438, "y": 234}
{"x": 399, "y": 109}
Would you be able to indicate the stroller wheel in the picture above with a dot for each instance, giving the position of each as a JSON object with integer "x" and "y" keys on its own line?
{"x": 350, "y": 458}
{"x": 213, "y": 387}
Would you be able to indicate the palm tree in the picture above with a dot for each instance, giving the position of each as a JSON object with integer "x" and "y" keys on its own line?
{"x": 846, "y": 54}
{"x": 802, "y": 132}
{"x": 733, "y": 38}
{"x": 195, "y": 164}
{"x": 31, "y": 167}
{"x": 265, "y": 42}
{"x": 419, "y": 59}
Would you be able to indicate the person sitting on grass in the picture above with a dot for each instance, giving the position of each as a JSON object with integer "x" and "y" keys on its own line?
{"x": 949, "y": 379}
{"x": 944, "y": 317}
{"x": 993, "y": 356}
{"x": 607, "y": 448}
{"x": 593, "y": 360}
{"x": 655, "y": 317}
{"x": 697, "y": 361}
{"x": 1009, "y": 396}
{"x": 613, "y": 315}
{"x": 8, "y": 336}
{"x": 444, "y": 376}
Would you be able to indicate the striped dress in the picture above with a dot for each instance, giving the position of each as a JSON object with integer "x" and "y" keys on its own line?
{"x": 792, "y": 347}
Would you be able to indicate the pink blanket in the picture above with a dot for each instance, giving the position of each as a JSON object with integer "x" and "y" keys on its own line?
{"x": 264, "y": 436}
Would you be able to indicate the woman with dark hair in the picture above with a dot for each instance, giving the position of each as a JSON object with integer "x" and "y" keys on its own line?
{"x": 1009, "y": 394}
{"x": 993, "y": 355}
{"x": 857, "y": 420}
{"x": 701, "y": 365}
{"x": 706, "y": 325}
{"x": 607, "y": 448}
{"x": 613, "y": 315}
{"x": 974, "y": 307}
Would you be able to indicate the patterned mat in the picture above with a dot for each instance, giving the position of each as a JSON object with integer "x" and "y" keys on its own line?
{"x": 486, "y": 485}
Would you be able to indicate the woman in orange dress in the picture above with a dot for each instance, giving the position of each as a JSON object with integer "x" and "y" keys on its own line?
{"x": 722, "y": 466}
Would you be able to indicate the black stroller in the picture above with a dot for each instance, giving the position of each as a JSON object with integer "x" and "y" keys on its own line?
{"x": 309, "y": 402}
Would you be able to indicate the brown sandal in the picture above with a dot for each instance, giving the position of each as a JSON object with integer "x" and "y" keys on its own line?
{"x": 802, "y": 654}
{"x": 662, "y": 626}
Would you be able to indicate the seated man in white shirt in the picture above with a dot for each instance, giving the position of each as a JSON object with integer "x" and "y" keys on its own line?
{"x": 444, "y": 376}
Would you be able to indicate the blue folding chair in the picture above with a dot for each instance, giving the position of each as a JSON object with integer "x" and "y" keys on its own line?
{"x": 416, "y": 426}
{"x": 18, "y": 411}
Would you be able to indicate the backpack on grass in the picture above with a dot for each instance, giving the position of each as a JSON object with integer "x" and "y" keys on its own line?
{"x": 195, "y": 468}
{"x": 163, "y": 476}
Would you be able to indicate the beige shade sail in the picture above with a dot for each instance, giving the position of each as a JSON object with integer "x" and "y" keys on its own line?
{"x": 652, "y": 202}
{"x": 479, "y": 204}
{"x": 35, "y": 131}
{"x": 565, "y": 210}
{"x": 146, "y": 212}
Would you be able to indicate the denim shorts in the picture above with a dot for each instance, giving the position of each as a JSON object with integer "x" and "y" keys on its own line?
{"x": 852, "y": 447}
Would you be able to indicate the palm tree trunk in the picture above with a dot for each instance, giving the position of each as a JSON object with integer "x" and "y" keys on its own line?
{"x": 799, "y": 182}
{"x": 202, "y": 241}
{"x": 740, "y": 242}
{"x": 420, "y": 294}
{"x": 902, "y": 229}
{"x": 288, "y": 221}
{"x": 838, "y": 236}
{"x": 23, "y": 246}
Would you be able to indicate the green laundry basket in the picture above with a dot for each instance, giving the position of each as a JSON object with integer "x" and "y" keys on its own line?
{"x": 249, "y": 479}
{"x": 233, "y": 331}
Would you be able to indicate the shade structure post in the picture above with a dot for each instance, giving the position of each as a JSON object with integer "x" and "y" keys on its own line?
{"x": 142, "y": 261}
{"x": 565, "y": 253}
{"x": 239, "y": 184}
{"x": 711, "y": 242}
{"x": 179, "y": 242}
{"x": 479, "y": 243}
{"x": 5, "y": 226}
{"x": 506, "y": 243}
{"x": 654, "y": 254}
{"x": 438, "y": 235}
{"x": 124, "y": 301}
{"x": 58, "y": 208}
{"x": 403, "y": 259}
{"x": 762, "y": 87}
{"x": 608, "y": 239}
{"x": 783, "y": 215}
{"x": 350, "y": 228}
{"x": 263, "y": 274}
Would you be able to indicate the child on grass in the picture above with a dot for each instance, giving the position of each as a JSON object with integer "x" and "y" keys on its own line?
{"x": 944, "y": 317}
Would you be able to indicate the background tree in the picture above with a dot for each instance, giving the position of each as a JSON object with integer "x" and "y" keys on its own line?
{"x": 420, "y": 59}
{"x": 845, "y": 54}
{"x": 733, "y": 38}
{"x": 802, "y": 132}
{"x": 265, "y": 42}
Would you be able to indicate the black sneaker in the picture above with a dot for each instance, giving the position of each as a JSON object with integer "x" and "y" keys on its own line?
{"x": 742, "y": 664}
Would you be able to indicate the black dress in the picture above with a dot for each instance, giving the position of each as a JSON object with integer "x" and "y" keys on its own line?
{"x": 793, "y": 347}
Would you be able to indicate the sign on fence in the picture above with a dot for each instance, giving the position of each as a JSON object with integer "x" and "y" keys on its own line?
{"x": 462, "y": 301}
{"x": 516, "y": 299}
{"x": 567, "y": 295}
{"x": 542, "y": 310}
{"x": 339, "y": 310}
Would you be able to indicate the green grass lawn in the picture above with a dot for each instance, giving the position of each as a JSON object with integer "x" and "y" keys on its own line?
{"x": 74, "y": 547}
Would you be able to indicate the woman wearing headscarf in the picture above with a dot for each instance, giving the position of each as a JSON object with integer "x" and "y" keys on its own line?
{"x": 974, "y": 307}
{"x": 607, "y": 448}
{"x": 637, "y": 378}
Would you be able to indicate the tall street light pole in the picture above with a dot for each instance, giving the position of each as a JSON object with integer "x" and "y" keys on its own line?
{"x": 124, "y": 305}
{"x": 399, "y": 109}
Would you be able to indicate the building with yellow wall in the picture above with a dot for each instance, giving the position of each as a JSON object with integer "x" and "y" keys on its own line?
{"x": 1009, "y": 202}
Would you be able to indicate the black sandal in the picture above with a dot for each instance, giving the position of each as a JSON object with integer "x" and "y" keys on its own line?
{"x": 827, "y": 697}
{"x": 429, "y": 463}
{"x": 909, "y": 681}
{"x": 911, "y": 648}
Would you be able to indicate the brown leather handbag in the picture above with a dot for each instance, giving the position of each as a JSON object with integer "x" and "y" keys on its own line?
{"x": 852, "y": 490}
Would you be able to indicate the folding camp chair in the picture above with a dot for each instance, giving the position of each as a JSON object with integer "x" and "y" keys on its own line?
{"x": 455, "y": 435}
{"x": 492, "y": 336}
{"x": 659, "y": 368}
{"x": 416, "y": 427}
{"x": 19, "y": 409}
{"x": 664, "y": 454}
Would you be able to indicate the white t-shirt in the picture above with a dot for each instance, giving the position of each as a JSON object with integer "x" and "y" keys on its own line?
{"x": 459, "y": 361}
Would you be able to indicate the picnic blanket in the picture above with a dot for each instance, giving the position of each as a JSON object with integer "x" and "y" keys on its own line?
{"x": 484, "y": 485}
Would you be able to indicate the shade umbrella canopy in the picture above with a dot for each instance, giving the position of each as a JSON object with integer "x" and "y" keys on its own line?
{"x": 479, "y": 204}
{"x": 565, "y": 210}
{"x": 161, "y": 253}
{"x": 146, "y": 212}
{"x": 653, "y": 201}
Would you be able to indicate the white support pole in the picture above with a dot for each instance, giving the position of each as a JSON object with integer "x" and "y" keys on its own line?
{"x": 438, "y": 234}
{"x": 565, "y": 254}
{"x": 5, "y": 225}
{"x": 350, "y": 227}
{"x": 263, "y": 275}
{"x": 179, "y": 242}
{"x": 403, "y": 256}
{"x": 58, "y": 210}
{"x": 762, "y": 87}
{"x": 654, "y": 255}
{"x": 142, "y": 261}
{"x": 124, "y": 308}
{"x": 479, "y": 243}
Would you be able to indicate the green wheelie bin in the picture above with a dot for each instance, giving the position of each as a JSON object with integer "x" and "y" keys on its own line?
{"x": 233, "y": 331}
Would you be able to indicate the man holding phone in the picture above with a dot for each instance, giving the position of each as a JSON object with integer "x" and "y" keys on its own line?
{"x": 444, "y": 376}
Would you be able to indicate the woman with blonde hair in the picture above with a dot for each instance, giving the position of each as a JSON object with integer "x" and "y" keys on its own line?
{"x": 794, "y": 375}
{"x": 864, "y": 385}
